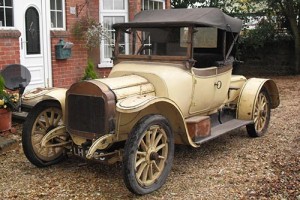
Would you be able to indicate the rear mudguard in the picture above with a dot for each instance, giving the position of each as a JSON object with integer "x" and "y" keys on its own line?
{"x": 249, "y": 93}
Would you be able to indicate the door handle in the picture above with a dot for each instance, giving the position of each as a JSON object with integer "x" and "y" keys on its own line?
{"x": 218, "y": 84}
{"x": 22, "y": 43}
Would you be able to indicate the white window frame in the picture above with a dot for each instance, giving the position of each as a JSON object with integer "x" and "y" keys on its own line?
{"x": 105, "y": 62}
{"x": 162, "y": 1}
{"x": 63, "y": 15}
{"x": 13, "y": 16}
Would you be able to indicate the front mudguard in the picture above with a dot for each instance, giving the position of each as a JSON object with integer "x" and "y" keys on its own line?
{"x": 249, "y": 94}
{"x": 134, "y": 108}
{"x": 34, "y": 97}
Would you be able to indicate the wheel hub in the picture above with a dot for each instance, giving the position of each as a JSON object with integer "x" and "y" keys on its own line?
{"x": 154, "y": 156}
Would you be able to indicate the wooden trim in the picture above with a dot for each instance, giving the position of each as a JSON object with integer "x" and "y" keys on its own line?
{"x": 211, "y": 71}
{"x": 153, "y": 57}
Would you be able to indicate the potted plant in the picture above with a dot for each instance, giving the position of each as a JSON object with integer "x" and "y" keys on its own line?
{"x": 8, "y": 102}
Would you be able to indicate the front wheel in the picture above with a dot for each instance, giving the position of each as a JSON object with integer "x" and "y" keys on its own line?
{"x": 148, "y": 155}
{"x": 41, "y": 119}
{"x": 261, "y": 115}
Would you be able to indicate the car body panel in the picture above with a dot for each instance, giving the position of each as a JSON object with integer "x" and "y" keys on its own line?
{"x": 249, "y": 94}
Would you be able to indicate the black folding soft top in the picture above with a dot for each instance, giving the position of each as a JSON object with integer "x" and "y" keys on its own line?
{"x": 212, "y": 17}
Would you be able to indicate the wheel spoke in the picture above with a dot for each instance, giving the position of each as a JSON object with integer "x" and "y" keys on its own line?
{"x": 155, "y": 166}
{"x": 148, "y": 136}
{"x": 145, "y": 173}
{"x": 42, "y": 125}
{"x": 157, "y": 139}
{"x": 46, "y": 119}
{"x": 52, "y": 116}
{"x": 154, "y": 132}
{"x": 57, "y": 120}
{"x": 140, "y": 161}
{"x": 143, "y": 145}
{"x": 140, "y": 170}
{"x": 150, "y": 172}
{"x": 160, "y": 147}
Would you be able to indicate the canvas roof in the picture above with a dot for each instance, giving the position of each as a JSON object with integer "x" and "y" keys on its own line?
{"x": 213, "y": 17}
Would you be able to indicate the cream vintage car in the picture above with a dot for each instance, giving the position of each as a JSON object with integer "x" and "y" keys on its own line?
{"x": 172, "y": 83}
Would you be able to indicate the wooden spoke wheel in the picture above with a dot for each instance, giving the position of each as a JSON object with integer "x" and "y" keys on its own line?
{"x": 43, "y": 118}
{"x": 148, "y": 155}
{"x": 261, "y": 115}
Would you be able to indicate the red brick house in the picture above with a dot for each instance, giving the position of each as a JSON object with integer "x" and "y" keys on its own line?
{"x": 30, "y": 30}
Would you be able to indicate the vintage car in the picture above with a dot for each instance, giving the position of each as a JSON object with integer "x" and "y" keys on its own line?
{"x": 172, "y": 83}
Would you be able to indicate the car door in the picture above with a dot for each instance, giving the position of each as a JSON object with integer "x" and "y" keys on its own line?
{"x": 203, "y": 89}
{"x": 221, "y": 86}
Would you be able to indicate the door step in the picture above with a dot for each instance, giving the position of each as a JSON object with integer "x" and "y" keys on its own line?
{"x": 222, "y": 129}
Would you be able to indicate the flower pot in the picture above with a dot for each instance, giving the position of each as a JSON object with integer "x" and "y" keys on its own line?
{"x": 5, "y": 120}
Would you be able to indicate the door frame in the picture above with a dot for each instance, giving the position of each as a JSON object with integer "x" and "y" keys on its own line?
{"x": 44, "y": 22}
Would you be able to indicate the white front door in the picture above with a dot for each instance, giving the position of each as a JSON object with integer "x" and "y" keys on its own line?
{"x": 30, "y": 21}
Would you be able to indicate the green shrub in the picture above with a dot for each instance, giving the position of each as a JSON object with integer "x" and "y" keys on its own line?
{"x": 90, "y": 72}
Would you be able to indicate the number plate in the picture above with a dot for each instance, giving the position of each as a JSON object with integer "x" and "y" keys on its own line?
{"x": 78, "y": 151}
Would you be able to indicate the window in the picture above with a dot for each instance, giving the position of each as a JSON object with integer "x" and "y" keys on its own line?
{"x": 111, "y": 12}
{"x": 6, "y": 13}
{"x": 166, "y": 41}
{"x": 57, "y": 14}
{"x": 113, "y": 4}
{"x": 153, "y": 4}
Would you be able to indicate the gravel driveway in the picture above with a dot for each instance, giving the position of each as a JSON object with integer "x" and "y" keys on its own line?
{"x": 233, "y": 166}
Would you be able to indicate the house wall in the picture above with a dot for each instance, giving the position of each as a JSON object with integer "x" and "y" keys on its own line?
{"x": 9, "y": 47}
{"x": 69, "y": 71}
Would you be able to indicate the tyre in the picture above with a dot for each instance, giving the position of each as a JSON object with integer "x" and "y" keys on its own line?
{"x": 44, "y": 117}
{"x": 148, "y": 155}
{"x": 261, "y": 115}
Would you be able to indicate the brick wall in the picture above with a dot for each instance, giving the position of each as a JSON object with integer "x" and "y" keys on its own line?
{"x": 9, "y": 47}
{"x": 68, "y": 71}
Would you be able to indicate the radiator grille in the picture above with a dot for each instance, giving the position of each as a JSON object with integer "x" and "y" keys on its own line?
{"x": 86, "y": 113}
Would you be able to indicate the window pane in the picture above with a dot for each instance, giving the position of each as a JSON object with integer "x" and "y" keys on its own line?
{"x": 2, "y": 23}
{"x": 58, "y": 4}
{"x": 151, "y": 5}
{"x": 107, "y": 4}
{"x": 107, "y": 22}
{"x": 119, "y": 19}
{"x": 52, "y": 4}
{"x": 1, "y": 2}
{"x": 156, "y": 5}
{"x": 161, "y": 5}
{"x": 32, "y": 31}
{"x": 9, "y": 17}
{"x": 53, "y": 20}
{"x": 59, "y": 20}
{"x": 119, "y": 5}
{"x": 146, "y": 4}
{"x": 8, "y": 2}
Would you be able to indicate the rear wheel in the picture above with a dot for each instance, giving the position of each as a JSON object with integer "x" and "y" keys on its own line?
{"x": 261, "y": 115}
{"x": 42, "y": 118}
{"x": 148, "y": 155}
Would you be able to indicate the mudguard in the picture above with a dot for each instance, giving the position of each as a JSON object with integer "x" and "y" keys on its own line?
{"x": 44, "y": 94}
{"x": 147, "y": 104}
{"x": 249, "y": 93}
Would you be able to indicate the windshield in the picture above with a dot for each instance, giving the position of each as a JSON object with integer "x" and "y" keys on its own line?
{"x": 168, "y": 41}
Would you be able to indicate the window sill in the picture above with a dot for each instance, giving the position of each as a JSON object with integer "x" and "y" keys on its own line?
{"x": 59, "y": 33}
{"x": 106, "y": 65}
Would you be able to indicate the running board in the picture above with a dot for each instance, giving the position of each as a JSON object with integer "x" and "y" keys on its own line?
{"x": 223, "y": 128}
